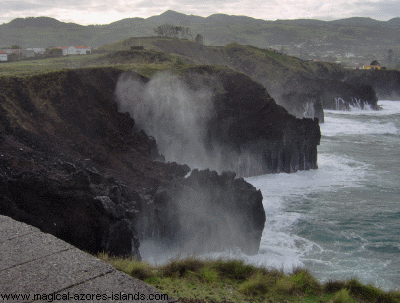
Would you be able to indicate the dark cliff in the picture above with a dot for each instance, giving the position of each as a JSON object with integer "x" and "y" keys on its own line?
{"x": 303, "y": 87}
{"x": 227, "y": 120}
{"x": 73, "y": 166}
{"x": 302, "y": 94}
{"x": 263, "y": 136}
{"x": 386, "y": 83}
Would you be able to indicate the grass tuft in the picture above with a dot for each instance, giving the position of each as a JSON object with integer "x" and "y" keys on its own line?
{"x": 234, "y": 269}
{"x": 364, "y": 292}
{"x": 304, "y": 281}
{"x": 255, "y": 285}
{"x": 131, "y": 266}
{"x": 342, "y": 296}
{"x": 194, "y": 280}
{"x": 209, "y": 274}
{"x": 334, "y": 286}
{"x": 179, "y": 267}
{"x": 285, "y": 286}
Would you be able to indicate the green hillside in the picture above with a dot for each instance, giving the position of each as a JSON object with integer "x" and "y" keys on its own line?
{"x": 324, "y": 40}
{"x": 266, "y": 66}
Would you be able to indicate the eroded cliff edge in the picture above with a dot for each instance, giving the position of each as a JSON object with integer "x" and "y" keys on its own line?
{"x": 74, "y": 166}
{"x": 304, "y": 88}
{"x": 223, "y": 117}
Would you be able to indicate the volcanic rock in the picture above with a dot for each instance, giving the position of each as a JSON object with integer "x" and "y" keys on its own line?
{"x": 73, "y": 166}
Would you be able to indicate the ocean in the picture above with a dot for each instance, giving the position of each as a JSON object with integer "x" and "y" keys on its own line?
{"x": 341, "y": 220}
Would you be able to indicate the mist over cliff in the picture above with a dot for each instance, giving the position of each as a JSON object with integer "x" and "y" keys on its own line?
{"x": 75, "y": 167}
{"x": 218, "y": 118}
{"x": 176, "y": 115}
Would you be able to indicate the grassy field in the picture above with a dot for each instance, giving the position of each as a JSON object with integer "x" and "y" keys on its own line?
{"x": 170, "y": 53}
{"x": 143, "y": 62}
{"x": 197, "y": 280}
{"x": 40, "y": 66}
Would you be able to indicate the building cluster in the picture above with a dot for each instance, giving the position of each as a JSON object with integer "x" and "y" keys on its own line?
{"x": 75, "y": 50}
{"x": 356, "y": 55}
{"x": 6, "y": 54}
{"x": 18, "y": 53}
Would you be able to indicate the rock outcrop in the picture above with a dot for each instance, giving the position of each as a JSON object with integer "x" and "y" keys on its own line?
{"x": 73, "y": 166}
{"x": 386, "y": 83}
{"x": 233, "y": 125}
{"x": 67, "y": 201}
{"x": 263, "y": 136}
{"x": 307, "y": 96}
{"x": 206, "y": 212}
{"x": 302, "y": 87}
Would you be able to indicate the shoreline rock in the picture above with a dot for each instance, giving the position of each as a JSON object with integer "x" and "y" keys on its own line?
{"x": 73, "y": 166}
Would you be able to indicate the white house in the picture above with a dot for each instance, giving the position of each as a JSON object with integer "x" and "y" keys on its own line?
{"x": 3, "y": 56}
{"x": 75, "y": 50}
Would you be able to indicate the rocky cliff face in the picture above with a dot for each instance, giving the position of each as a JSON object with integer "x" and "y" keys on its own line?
{"x": 258, "y": 135}
{"x": 224, "y": 118}
{"x": 303, "y": 88}
{"x": 74, "y": 166}
{"x": 309, "y": 96}
{"x": 386, "y": 83}
{"x": 201, "y": 214}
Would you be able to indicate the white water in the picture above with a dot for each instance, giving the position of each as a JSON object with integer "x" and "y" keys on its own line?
{"x": 341, "y": 220}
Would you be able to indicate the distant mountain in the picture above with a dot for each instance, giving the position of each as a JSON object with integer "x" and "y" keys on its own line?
{"x": 175, "y": 18}
{"x": 394, "y": 21}
{"x": 358, "y": 21}
{"x": 125, "y": 23}
{"x": 40, "y": 22}
{"x": 216, "y": 18}
{"x": 301, "y": 37}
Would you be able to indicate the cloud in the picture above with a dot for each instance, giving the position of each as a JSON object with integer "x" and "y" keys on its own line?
{"x": 106, "y": 11}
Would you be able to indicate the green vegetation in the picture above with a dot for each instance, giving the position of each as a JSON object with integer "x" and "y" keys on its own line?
{"x": 224, "y": 280}
{"x": 146, "y": 63}
{"x": 40, "y": 66}
{"x": 298, "y": 37}
{"x": 126, "y": 44}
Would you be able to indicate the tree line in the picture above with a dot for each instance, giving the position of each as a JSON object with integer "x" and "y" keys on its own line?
{"x": 172, "y": 31}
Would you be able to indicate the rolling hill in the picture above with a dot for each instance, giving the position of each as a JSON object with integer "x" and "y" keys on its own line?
{"x": 361, "y": 36}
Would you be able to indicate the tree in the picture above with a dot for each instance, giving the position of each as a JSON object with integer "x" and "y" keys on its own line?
{"x": 375, "y": 62}
{"x": 172, "y": 31}
{"x": 199, "y": 39}
{"x": 54, "y": 52}
{"x": 15, "y": 46}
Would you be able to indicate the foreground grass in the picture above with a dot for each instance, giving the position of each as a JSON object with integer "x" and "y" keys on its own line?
{"x": 234, "y": 281}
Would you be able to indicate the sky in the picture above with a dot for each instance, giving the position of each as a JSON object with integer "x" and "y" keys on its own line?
{"x": 106, "y": 11}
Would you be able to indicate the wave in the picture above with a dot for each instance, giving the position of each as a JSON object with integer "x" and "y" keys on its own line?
{"x": 387, "y": 108}
{"x": 334, "y": 126}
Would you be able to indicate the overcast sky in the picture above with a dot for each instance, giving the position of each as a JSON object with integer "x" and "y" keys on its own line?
{"x": 105, "y": 11}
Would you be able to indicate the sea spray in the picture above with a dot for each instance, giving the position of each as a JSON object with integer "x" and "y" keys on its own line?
{"x": 174, "y": 114}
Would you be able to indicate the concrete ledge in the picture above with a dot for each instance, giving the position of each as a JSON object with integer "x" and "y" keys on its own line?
{"x": 38, "y": 267}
